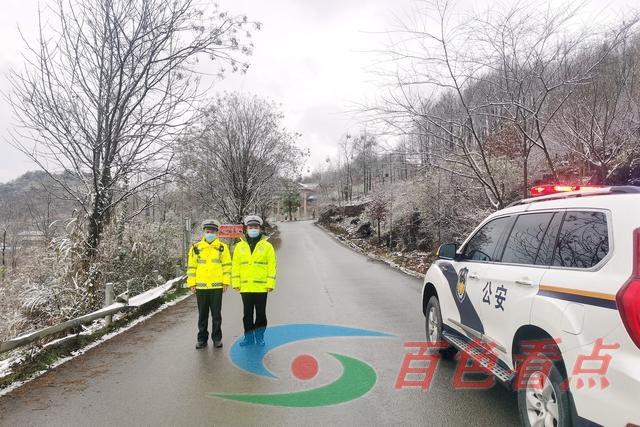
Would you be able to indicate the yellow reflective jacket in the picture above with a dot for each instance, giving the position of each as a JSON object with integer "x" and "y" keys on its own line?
{"x": 209, "y": 265}
{"x": 254, "y": 272}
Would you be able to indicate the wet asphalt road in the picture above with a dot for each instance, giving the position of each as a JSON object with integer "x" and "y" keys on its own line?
{"x": 152, "y": 375}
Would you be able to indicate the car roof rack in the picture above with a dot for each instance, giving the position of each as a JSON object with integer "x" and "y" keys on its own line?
{"x": 621, "y": 189}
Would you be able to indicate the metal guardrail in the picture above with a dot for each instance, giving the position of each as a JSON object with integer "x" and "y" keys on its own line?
{"x": 133, "y": 302}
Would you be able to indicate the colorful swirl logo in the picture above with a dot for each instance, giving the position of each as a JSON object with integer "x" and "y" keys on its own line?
{"x": 357, "y": 378}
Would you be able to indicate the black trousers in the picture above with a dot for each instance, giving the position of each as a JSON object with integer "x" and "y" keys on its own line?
{"x": 209, "y": 300}
{"x": 257, "y": 301}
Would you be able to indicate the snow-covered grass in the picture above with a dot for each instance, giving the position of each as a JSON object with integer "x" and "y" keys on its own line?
{"x": 7, "y": 364}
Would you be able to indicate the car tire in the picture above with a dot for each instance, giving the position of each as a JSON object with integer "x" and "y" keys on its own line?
{"x": 547, "y": 404}
{"x": 433, "y": 327}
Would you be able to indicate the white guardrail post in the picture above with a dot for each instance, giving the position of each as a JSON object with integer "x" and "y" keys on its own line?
{"x": 108, "y": 300}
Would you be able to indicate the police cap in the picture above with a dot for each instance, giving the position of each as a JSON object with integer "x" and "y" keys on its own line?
{"x": 211, "y": 223}
{"x": 253, "y": 220}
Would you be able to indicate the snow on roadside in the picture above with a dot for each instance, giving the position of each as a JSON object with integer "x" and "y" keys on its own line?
{"x": 385, "y": 259}
{"x": 5, "y": 365}
{"x": 152, "y": 294}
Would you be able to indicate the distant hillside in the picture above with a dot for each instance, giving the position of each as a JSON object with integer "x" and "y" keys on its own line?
{"x": 33, "y": 198}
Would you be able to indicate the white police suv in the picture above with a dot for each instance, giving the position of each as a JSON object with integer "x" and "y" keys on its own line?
{"x": 545, "y": 294}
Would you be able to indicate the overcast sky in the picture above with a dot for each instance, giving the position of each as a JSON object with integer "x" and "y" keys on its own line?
{"x": 313, "y": 57}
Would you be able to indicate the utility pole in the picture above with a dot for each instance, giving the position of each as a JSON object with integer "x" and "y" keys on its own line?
{"x": 390, "y": 223}
{"x": 186, "y": 240}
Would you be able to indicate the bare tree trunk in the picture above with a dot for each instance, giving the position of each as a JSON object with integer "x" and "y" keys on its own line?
{"x": 4, "y": 247}
{"x": 525, "y": 168}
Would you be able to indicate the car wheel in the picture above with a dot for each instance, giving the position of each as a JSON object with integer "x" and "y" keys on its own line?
{"x": 541, "y": 401}
{"x": 433, "y": 327}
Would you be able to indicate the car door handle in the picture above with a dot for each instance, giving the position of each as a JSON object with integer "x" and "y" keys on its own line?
{"x": 524, "y": 282}
{"x": 473, "y": 276}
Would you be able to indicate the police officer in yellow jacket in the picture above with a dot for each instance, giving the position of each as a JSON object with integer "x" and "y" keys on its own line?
{"x": 254, "y": 275}
{"x": 209, "y": 275}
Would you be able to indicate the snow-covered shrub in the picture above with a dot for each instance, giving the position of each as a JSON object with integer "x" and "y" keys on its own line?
{"x": 54, "y": 283}
{"x": 45, "y": 289}
{"x": 143, "y": 256}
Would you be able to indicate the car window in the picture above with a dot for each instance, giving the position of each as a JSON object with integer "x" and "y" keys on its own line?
{"x": 483, "y": 244}
{"x": 545, "y": 253}
{"x": 526, "y": 237}
{"x": 583, "y": 240}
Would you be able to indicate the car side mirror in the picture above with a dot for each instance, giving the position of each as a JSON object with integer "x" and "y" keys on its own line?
{"x": 448, "y": 251}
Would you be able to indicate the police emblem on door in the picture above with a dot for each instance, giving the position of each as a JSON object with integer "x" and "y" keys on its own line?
{"x": 462, "y": 284}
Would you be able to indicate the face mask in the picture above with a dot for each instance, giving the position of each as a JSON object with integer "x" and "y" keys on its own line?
{"x": 253, "y": 233}
{"x": 210, "y": 237}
